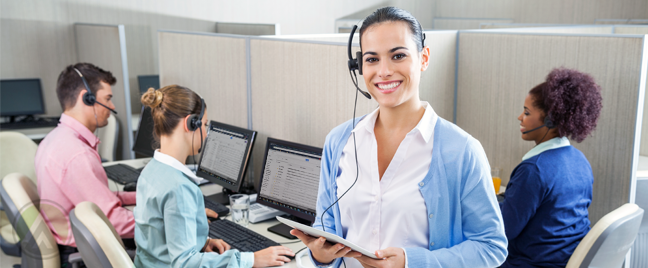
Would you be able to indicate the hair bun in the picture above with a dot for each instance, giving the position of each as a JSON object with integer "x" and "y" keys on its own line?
{"x": 152, "y": 98}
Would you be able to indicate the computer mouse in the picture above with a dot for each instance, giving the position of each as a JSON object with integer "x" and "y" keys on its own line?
{"x": 130, "y": 187}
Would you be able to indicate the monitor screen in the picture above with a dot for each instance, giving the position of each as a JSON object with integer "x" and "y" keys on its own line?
{"x": 225, "y": 155}
{"x": 144, "y": 139}
{"x": 147, "y": 81}
{"x": 290, "y": 178}
{"x": 21, "y": 97}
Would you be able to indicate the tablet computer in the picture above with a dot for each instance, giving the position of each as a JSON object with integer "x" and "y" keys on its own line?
{"x": 329, "y": 236}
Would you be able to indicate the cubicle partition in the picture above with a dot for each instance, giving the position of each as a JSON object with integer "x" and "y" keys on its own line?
{"x": 248, "y": 28}
{"x": 212, "y": 65}
{"x": 301, "y": 89}
{"x": 563, "y": 29}
{"x": 496, "y": 71}
{"x": 105, "y": 46}
{"x": 440, "y": 23}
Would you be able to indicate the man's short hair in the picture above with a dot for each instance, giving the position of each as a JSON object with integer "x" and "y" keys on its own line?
{"x": 69, "y": 82}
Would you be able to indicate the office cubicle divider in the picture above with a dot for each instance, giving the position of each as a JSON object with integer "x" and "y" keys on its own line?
{"x": 248, "y": 28}
{"x": 440, "y": 23}
{"x": 496, "y": 71}
{"x": 105, "y": 47}
{"x": 212, "y": 65}
{"x": 560, "y": 29}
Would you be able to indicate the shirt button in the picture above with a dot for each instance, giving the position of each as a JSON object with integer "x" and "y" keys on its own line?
{"x": 431, "y": 215}
{"x": 375, "y": 232}
{"x": 376, "y": 198}
{"x": 421, "y": 184}
{"x": 431, "y": 243}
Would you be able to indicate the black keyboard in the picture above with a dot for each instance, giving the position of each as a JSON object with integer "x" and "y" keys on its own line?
{"x": 38, "y": 123}
{"x": 122, "y": 173}
{"x": 219, "y": 208}
{"x": 239, "y": 237}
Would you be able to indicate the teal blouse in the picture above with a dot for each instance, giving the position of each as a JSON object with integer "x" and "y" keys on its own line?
{"x": 170, "y": 222}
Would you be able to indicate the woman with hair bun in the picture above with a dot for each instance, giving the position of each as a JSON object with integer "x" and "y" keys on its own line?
{"x": 545, "y": 210}
{"x": 170, "y": 229}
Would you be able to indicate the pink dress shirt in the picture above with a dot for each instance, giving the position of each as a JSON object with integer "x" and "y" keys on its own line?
{"x": 69, "y": 171}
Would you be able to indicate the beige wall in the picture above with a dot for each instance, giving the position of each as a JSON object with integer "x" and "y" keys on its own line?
{"x": 495, "y": 76}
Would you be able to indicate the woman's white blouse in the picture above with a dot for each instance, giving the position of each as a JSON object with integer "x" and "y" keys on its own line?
{"x": 391, "y": 212}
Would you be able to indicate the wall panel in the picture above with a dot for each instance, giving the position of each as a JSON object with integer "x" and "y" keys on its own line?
{"x": 213, "y": 66}
{"x": 496, "y": 71}
{"x": 464, "y": 23}
{"x": 104, "y": 46}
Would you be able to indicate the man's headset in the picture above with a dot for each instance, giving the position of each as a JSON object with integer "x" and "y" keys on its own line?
{"x": 356, "y": 64}
{"x": 547, "y": 123}
{"x": 89, "y": 98}
{"x": 194, "y": 122}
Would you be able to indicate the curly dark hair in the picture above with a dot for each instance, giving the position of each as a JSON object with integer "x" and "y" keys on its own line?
{"x": 573, "y": 101}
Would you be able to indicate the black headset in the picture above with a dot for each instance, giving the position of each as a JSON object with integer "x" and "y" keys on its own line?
{"x": 89, "y": 98}
{"x": 547, "y": 123}
{"x": 194, "y": 122}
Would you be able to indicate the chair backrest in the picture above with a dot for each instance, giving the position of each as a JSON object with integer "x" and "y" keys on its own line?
{"x": 608, "y": 242}
{"x": 17, "y": 154}
{"x": 22, "y": 204}
{"x": 108, "y": 136}
{"x": 96, "y": 238}
{"x": 640, "y": 248}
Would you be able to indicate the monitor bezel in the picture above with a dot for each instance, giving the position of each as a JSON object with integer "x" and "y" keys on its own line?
{"x": 139, "y": 82}
{"x": 244, "y": 166}
{"x": 139, "y": 127}
{"x": 259, "y": 200}
{"x": 42, "y": 103}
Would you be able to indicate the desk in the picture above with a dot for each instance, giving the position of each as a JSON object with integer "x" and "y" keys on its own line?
{"x": 210, "y": 189}
{"x": 34, "y": 133}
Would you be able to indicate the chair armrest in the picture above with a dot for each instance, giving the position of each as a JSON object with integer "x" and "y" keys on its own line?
{"x": 131, "y": 253}
{"x": 75, "y": 259}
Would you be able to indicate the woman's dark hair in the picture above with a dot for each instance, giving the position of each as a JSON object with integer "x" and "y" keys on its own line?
{"x": 69, "y": 83}
{"x": 573, "y": 101}
{"x": 169, "y": 106}
{"x": 395, "y": 14}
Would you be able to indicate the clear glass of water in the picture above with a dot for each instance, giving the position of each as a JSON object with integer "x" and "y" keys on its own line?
{"x": 240, "y": 207}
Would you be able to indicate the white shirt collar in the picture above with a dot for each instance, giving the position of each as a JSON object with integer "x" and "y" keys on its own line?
{"x": 174, "y": 163}
{"x": 425, "y": 126}
{"x": 547, "y": 145}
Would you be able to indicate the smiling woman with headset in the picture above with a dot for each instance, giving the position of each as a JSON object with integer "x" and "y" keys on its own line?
{"x": 170, "y": 229}
{"x": 545, "y": 210}
{"x": 401, "y": 181}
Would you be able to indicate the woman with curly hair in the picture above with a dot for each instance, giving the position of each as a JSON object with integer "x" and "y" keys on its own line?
{"x": 545, "y": 210}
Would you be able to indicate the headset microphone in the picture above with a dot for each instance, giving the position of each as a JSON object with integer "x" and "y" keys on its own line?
{"x": 89, "y": 98}
{"x": 547, "y": 123}
{"x": 355, "y": 64}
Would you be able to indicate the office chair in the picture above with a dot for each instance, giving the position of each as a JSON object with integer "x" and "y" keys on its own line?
{"x": 608, "y": 242}
{"x": 108, "y": 136}
{"x": 17, "y": 154}
{"x": 640, "y": 248}
{"x": 22, "y": 204}
{"x": 96, "y": 238}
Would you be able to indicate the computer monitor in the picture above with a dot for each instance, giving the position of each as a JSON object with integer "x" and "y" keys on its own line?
{"x": 144, "y": 139}
{"x": 225, "y": 157}
{"x": 290, "y": 180}
{"x": 147, "y": 81}
{"x": 21, "y": 97}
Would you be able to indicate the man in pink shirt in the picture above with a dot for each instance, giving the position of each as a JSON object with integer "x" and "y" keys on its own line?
{"x": 68, "y": 166}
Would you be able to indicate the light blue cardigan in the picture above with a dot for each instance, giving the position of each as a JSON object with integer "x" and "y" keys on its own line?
{"x": 466, "y": 227}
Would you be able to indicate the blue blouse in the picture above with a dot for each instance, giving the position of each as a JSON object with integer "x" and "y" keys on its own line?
{"x": 545, "y": 209}
{"x": 465, "y": 225}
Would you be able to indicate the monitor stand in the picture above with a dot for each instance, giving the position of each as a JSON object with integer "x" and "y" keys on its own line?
{"x": 284, "y": 230}
{"x": 223, "y": 197}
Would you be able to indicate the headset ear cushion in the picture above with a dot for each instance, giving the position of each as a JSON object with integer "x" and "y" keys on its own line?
{"x": 359, "y": 59}
{"x": 549, "y": 123}
{"x": 89, "y": 99}
{"x": 192, "y": 122}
